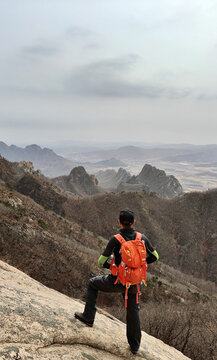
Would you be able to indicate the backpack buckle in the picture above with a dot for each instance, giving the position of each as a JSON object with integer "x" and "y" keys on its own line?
{"x": 128, "y": 284}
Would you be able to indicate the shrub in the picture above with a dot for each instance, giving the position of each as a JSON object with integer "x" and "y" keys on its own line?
{"x": 42, "y": 224}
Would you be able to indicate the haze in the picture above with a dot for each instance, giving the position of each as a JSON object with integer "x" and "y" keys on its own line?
{"x": 117, "y": 70}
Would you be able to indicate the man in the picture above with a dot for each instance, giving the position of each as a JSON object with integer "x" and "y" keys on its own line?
{"x": 106, "y": 283}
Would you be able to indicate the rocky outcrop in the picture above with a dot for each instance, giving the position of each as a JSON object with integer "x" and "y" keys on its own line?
{"x": 78, "y": 182}
{"x": 42, "y": 191}
{"x": 111, "y": 179}
{"x": 27, "y": 181}
{"x": 7, "y": 171}
{"x": 149, "y": 179}
{"x": 26, "y": 167}
{"x": 157, "y": 181}
{"x": 38, "y": 323}
{"x": 153, "y": 180}
{"x": 12, "y": 172}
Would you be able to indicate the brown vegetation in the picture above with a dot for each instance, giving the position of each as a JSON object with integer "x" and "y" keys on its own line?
{"x": 62, "y": 254}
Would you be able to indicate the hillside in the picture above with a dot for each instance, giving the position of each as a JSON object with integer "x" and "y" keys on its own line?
{"x": 45, "y": 245}
{"x": 49, "y": 247}
{"x": 184, "y": 228}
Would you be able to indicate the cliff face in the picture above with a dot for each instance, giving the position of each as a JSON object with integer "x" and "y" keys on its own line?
{"x": 78, "y": 182}
{"x": 110, "y": 179}
{"x": 149, "y": 179}
{"x": 38, "y": 323}
{"x": 157, "y": 181}
{"x": 154, "y": 180}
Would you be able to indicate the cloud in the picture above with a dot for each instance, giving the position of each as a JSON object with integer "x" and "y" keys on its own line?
{"x": 85, "y": 36}
{"x": 108, "y": 78}
{"x": 92, "y": 45}
{"x": 19, "y": 123}
{"x": 205, "y": 97}
{"x": 76, "y": 31}
{"x": 27, "y": 91}
{"x": 40, "y": 50}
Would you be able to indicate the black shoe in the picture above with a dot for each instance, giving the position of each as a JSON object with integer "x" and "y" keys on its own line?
{"x": 133, "y": 351}
{"x": 81, "y": 317}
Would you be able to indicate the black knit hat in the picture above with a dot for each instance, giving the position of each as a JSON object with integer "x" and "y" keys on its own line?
{"x": 126, "y": 217}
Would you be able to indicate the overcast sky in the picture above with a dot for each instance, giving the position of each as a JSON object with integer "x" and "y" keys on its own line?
{"x": 108, "y": 70}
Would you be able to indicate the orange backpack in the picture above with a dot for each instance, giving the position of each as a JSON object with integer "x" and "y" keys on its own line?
{"x": 133, "y": 266}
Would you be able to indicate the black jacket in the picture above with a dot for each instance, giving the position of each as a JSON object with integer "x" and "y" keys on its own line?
{"x": 114, "y": 246}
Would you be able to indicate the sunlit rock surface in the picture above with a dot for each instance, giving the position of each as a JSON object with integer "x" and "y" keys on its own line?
{"x": 38, "y": 323}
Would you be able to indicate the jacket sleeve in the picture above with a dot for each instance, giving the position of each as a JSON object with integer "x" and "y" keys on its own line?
{"x": 152, "y": 254}
{"x": 102, "y": 261}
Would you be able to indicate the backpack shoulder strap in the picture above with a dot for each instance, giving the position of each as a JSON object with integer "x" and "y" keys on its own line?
{"x": 138, "y": 236}
{"x": 120, "y": 238}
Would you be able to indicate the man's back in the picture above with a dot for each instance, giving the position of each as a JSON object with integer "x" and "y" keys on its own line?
{"x": 114, "y": 246}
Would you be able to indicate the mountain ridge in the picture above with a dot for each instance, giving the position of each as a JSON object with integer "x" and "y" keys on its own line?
{"x": 44, "y": 159}
{"x": 174, "y": 220}
{"x": 44, "y": 233}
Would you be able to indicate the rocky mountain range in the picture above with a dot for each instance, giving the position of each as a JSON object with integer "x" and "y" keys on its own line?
{"x": 57, "y": 239}
{"x": 149, "y": 179}
{"x": 78, "y": 182}
{"x": 171, "y": 153}
{"x": 193, "y": 165}
{"x": 44, "y": 159}
{"x": 174, "y": 224}
{"x": 157, "y": 181}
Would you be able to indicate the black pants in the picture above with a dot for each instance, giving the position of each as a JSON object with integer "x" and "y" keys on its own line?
{"x": 106, "y": 283}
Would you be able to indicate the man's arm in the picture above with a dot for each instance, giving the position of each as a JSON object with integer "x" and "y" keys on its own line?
{"x": 151, "y": 252}
{"x": 102, "y": 261}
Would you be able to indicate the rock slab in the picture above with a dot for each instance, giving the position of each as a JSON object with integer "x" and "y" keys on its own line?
{"x": 38, "y": 323}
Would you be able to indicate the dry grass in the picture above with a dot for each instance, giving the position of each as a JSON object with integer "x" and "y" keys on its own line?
{"x": 188, "y": 325}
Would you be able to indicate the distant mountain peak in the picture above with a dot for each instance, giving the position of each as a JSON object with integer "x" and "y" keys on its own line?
{"x": 44, "y": 159}
{"x": 33, "y": 147}
{"x": 78, "y": 182}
